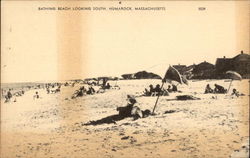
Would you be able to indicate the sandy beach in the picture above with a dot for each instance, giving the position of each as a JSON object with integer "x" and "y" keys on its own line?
{"x": 216, "y": 126}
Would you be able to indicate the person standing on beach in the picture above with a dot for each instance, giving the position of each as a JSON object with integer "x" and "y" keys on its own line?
{"x": 9, "y": 94}
{"x": 36, "y": 96}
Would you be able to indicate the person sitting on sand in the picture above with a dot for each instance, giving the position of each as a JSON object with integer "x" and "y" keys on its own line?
{"x": 208, "y": 89}
{"x": 219, "y": 89}
{"x": 82, "y": 88}
{"x": 107, "y": 86}
{"x": 158, "y": 90}
{"x": 8, "y": 96}
{"x": 131, "y": 110}
{"x": 128, "y": 111}
{"x": 146, "y": 92}
{"x": 58, "y": 89}
{"x": 151, "y": 90}
{"x": 91, "y": 90}
{"x": 169, "y": 89}
{"x": 165, "y": 92}
{"x": 79, "y": 93}
{"x": 104, "y": 82}
{"x": 174, "y": 88}
{"x": 237, "y": 93}
{"x": 48, "y": 90}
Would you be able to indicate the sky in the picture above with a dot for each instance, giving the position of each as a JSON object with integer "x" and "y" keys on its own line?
{"x": 59, "y": 45}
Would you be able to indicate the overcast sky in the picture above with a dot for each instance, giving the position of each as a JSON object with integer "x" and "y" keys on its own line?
{"x": 51, "y": 45}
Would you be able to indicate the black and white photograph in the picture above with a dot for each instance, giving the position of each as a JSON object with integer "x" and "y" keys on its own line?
{"x": 125, "y": 79}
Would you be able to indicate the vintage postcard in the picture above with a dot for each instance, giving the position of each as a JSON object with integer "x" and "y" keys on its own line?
{"x": 125, "y": 79}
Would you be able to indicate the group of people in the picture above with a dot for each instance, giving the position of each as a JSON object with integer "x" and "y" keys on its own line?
{"x": 172, "y": 89}
{"x": 157, "y": 90}
{"x": 221, "y": 90}
{"x": 53, "y": 88}
{"x": 83, "y": 91}
{"x": 90, "y": 90}
{"x": 154, "y": 91}
{"x": 217, "y": 89}
{"x": 9, "y": 95}
{"x": 106, "y": 86}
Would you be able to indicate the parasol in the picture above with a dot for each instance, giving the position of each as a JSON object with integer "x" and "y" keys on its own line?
{"x": 233, "y": 76}
{"x": 171, "y": 75}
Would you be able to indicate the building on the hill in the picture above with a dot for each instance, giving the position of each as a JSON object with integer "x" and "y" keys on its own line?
{"x": 203, "y": 70}
{"x": 188, "y": 73}
{"x": 240, "y": 64}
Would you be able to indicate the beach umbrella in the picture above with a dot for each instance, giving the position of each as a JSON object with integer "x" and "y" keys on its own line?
{"x": 233, "y": 76}
{"x": 171, "y": 75}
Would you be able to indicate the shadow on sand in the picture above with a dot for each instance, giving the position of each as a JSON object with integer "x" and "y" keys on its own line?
{"x": 106, "y": 120}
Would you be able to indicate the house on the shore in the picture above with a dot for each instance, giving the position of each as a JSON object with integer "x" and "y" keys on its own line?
{"x": 239, "y": 63}
{"x": 188, "y": 73}
{"x": 184, "y": 70}
{"x": 204, "y": 70}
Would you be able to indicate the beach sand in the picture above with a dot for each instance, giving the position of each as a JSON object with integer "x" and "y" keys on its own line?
{"x": 216, "y": 126}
